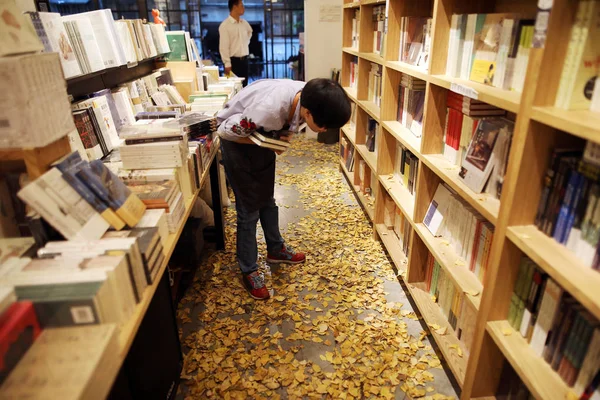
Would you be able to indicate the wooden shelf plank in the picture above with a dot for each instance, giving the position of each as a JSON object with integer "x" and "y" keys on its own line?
{"x": 540, "y": 378}
{"x": 404, "y": 136}
{"x": 560, "y": 263}
{"x": 447, "y": 343}
{"x": 369, "y": 156}
{"x": 350, "y": 133}
{"x": 350, "y": 50}
{"x": 362, "y": 198}
{"x": 400, "y": 194}
{"x": 129, "y": 330}
{"x": 582, "y": 123}
{"x": 486, "y": 205}
{"x": 393, "y": 246}
{"x": 373, "y": 57}
{"x": 452, "y": 264}
{"x": 352, "y": 5}
{"x": 505, "y": 99}
{"x": 371, "y": 108}
{"x": 352, "y": 93}
{"x": 411, "y": 70}
{"x": 369, "y": 2}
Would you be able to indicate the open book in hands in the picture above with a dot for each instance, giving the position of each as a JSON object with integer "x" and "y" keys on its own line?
{"x": 279, "y": 141}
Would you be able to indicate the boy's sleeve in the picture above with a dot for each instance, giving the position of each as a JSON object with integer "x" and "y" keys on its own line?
{"x": 233, "y": 128}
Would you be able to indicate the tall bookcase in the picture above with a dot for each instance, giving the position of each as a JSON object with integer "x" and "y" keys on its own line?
{"x": 539, "y": 128}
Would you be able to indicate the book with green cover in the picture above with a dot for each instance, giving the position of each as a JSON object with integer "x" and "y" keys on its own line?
{"x": 178, "y": 45}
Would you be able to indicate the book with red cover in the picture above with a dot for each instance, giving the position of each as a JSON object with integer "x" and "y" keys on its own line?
{"x": 19, "y": 328}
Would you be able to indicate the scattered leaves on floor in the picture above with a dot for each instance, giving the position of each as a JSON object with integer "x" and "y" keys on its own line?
{"x": 240, "y": 348}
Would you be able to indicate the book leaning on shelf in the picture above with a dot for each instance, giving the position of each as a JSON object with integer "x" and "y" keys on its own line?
{"x": 415, "y": 41}
{"x": 406, "y": 167}
{"x": 378, "y": 29}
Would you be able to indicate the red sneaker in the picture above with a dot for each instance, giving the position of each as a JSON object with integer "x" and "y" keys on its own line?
{"x": 286, "y": 256}
{"x": 254, "y": 283}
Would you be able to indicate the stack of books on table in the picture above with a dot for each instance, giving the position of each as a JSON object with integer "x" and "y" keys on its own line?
{"x": 162, "y": 195}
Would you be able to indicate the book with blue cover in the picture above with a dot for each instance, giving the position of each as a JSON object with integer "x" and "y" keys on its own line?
{"x": 108, "y": 187}
{"x": 69, "y": 167}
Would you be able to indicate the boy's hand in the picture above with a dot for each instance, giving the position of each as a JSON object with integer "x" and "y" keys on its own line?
{"x": 286, "y": 138}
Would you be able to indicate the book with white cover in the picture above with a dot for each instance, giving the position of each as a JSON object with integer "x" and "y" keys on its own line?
{"x": 160, "y": 38}
{"x": 437, "y": 210}
{"x": 150, "y": 40}
{"x": 124, "y": 35}
{"x": 108, "y": 40}
{"x": 89, "y": 42}
{"x": 124, "y": 106}
{"x": 156, "y": 218}
{"x": 60, "y": 43}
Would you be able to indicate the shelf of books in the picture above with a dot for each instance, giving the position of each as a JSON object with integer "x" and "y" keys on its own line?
{"x": 96, "y": 189}
{"x": 482, "y": 125}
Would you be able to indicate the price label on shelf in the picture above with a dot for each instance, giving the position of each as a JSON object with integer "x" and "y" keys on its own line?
{"x": 464, "y": 90}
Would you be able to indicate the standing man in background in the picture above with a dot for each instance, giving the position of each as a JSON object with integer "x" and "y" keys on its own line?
{"x": 234, "y": 38}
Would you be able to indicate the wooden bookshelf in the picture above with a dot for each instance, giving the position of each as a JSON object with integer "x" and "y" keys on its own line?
{"x": 539, "y": 128}
{"x": 350, "y": 133}
{"x": 369, "y": 156}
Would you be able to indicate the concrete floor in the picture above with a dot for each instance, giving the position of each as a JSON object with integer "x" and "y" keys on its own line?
{"x": 216, "y": 307}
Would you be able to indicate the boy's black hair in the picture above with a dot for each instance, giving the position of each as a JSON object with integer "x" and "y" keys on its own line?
{"x": 327, "y": 102}
{"x": 232, "y": 3}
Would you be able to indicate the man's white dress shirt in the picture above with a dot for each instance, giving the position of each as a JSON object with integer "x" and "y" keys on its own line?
{"x": 234, "y": 39}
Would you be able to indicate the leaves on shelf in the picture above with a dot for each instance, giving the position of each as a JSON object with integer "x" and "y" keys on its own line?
{"x": 507, "y": 331}
{"x": 459, "y": 261}
{"x": 473, "y": 292}
{"x": 457, "y": 348}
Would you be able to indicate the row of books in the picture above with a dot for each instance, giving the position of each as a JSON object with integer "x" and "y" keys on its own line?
{"x": 454, "y": 305}
{"x": 93, "y": 41}
{"x": 375, "y": 81}
{"x": 347, "y": 153}
{"x": 492, "y": 49}
{"x": 406, "y": 167}
{"x": 415, "y": 41}
{"x": 355, "y": 29}
{"x": 462, "y": 116}
{"x": 511, "y": 387}
{"x": 569, "y": 205}
{"x": 468, "y": 233}
{"x": 373, "y": 130}
{"x": 557, "y": 327}
{"x": 365, "y": 178}
{"x": 411, "y": 104}
{"x": 378, "y": 29}
{"x": 354, "y": 73}
{"x": 394, "y": 219}
{"x": 577, "y": 90}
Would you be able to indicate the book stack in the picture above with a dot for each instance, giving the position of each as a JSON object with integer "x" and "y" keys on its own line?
{"x": 378, "y": 29}
{"x": 375, "y": 79}
{"x": 67, "y": 363}
{"x": 406, "y": 167}
{"x": 415, "y": 41}
{"x": 411, "y": 104}
{"x": 372, "y": 132}
{"x": 492, "y": 49}
{"x": 81, "y": 200}
{"x": 156, "y": 218}
{"x": 208, "y": 103}
{"x": 484, "y": 162}
{"x": 35, "y": 107}
{"x": 569, "y": 202}
{"x": 354, "y": 72}
{"x": 347, "y": 153}
{"x": 150, "y": 244}
{"x": 462, "y": 116}
{"x": 581, "y": 65}
{"x": 557, "y": 327}
{"x": 153, "y": 146}
{"x": 468, "y": 233}
{"x": 356, "y": 29}
{"x": 164, "y": 195}
{"x": 455, "y": 306}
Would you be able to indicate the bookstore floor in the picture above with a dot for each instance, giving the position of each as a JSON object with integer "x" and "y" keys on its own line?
{"x": 340, "y": 325}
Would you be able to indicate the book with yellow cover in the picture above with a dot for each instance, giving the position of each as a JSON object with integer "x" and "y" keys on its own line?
{"x": 486, "y": 45}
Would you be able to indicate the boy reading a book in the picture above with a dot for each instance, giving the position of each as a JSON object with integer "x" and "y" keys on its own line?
{"x": 269, "y": 106}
